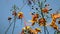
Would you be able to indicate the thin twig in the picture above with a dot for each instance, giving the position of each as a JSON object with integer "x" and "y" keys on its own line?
{"x": 21, "y": 21}
{"x": 55, "y": 32}
{"x": 22, "y": 6}
{"x": 47, "y": 30}
{"x": 14, "y": 24}
{"x": 8, "y": 28}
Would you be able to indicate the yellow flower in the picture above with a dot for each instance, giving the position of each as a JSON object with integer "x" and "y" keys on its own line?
{"x": 27, "y": 27}
{"x": 20, "y": 15}
{"x": 24, "y": 28}
{"x": 53, "y": 24}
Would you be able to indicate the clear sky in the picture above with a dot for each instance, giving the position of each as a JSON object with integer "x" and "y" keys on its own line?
{"x": 6, "y": 6}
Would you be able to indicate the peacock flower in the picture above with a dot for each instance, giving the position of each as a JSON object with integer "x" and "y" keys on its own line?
{"x": 42, "y": 21}
{"x": 34, "y": 32}
{"x": 38, "y": 29}
{"x": 27, "y": 27}
{"x": 34, "y": 18}
{"x": 55, "y": 16}
{"x": 33, "y": 22}
{"x": 24, "y": 28}
{"x": 53, "y": 24}
{"x": 45, "y": 10}
{"x": 55, "y": 27}
{"x": 37, "y": 15}
{"x": 31, "y": 31}
{"x": 20, "y": 15}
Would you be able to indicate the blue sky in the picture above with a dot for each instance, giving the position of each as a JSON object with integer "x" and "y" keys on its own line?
{"x": 6, "y": 6}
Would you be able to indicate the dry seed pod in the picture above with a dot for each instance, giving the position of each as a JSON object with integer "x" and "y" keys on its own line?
{"x": 46, "y": 4}
{"x": 9, "y": 18}
{"x": 59, "y": 22}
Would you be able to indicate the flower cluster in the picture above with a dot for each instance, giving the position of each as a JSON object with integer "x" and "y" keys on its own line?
{"x": 29, "y": 30}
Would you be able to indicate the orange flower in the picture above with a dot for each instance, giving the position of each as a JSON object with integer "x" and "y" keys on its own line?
{"x": 35, "y": 31}
{"x": 20, "y": 15}
{"x": 55, "y": 27}
{"x": 38, "y": 29}
{"x": 42, "y": 21}
{"x": 30, "y": 30}
{"x": 37, "y": 15}
{"x": 53, "y": 24}
{"x": 55, "y": 16}
{"x": 45, "y": 10}
{"x": 26, "y": 29}
{"x": 34, "y": 18}
{"x": 33, "y": 22}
